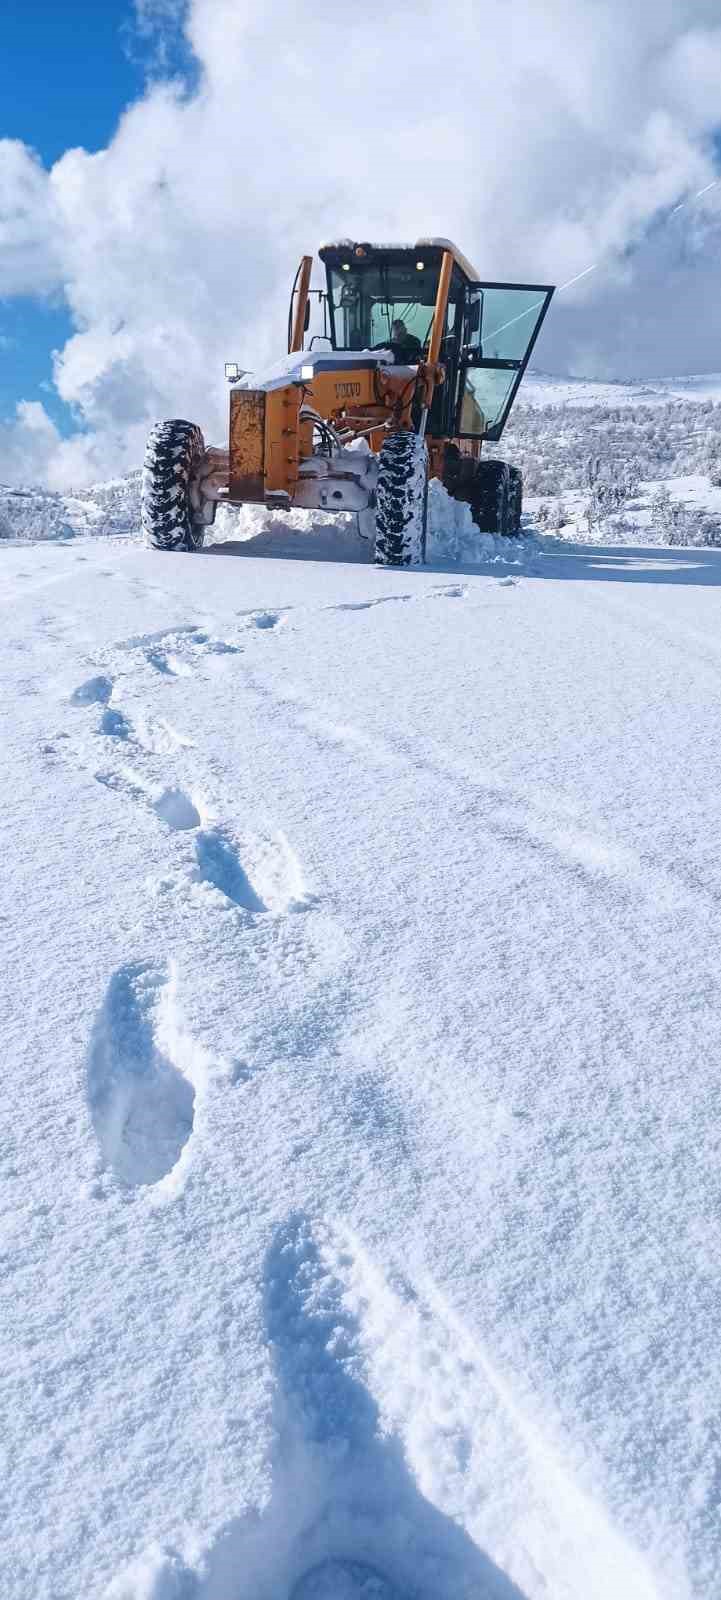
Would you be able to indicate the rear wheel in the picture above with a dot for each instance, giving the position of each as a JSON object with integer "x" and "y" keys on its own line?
{"x": 401, "y": 502}
{"x": 515, "y": 499}
{"x": 491, "y": 497}
{"x": 173, "y": 456}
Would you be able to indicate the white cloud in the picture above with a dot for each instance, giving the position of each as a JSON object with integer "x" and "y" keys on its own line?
{"x": 29, "y": 261}
{"x": 543, "y": 136}
{"x": 28, "y": 444}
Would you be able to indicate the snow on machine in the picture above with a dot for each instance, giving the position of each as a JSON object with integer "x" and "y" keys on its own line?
{"x": 421, "y": 363}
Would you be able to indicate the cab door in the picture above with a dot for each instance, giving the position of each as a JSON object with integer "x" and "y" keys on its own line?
{"x": 502, "y": 323}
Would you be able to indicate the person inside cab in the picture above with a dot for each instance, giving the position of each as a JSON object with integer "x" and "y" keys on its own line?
{"x": 407, "y": 349}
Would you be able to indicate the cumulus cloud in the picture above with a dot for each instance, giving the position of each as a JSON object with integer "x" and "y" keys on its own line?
{"x": 543, "y": 136}
{"x": 29, "y": 260}
{"x": 28, "y": 444}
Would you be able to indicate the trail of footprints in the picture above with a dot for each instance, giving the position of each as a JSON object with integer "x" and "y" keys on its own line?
{"x": 339, "y": 1333}
{"x": 144, "y": 1073}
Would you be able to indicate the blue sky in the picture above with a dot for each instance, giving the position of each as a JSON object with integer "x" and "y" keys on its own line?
{"x": 186, "y": 262}
{"x": 65, "y": 72}
{"x": 68, "y": 70}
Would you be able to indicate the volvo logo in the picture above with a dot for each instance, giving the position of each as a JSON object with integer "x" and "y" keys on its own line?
{"x": 347, "y": 391}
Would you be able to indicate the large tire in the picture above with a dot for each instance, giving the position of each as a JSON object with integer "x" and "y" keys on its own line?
{"x": 515, "y": 500}
{"x": 490, "y": 497}
{"x": 170, "y": 521}
{"x": 401, "y": 502}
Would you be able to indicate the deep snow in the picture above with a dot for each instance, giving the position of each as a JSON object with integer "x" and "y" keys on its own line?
{"x": 360, "y": 1025}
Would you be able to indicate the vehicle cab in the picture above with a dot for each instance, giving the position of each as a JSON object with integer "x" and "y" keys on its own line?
{"x": 374, "y": 291}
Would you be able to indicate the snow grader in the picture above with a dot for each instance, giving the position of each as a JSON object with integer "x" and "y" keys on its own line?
{"x": 418, "y": 363}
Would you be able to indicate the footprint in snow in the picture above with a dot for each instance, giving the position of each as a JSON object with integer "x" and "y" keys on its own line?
{"x": 141, "y": 1101}
{"x": 360, "y": 1528}
{"x": 345, "y": 1580}
{"x": 167, "y": 664}
{"x": 115, "y": 725}
{"x": 457, "y": 591}
{"x": 260, "y": 874}
{"x": 94, "y": 692}
{"x": 219, "y": 865}
{"x": 173, "y": 652}
{"x": 366, "y": 605}
{"x": 169, "y": 636}
{"x": 159, "y": 737}
{"x": 176, "y": 808}
{"x": 172, "y": 805}
{"x": 263, "y": 619}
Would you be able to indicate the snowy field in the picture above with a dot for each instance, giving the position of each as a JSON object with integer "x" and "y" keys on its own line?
{"x": 361, "y": 1034}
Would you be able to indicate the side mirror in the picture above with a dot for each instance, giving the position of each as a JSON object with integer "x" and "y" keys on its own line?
{"x": 473, "y": 322}
{"x": 306, "y": 324}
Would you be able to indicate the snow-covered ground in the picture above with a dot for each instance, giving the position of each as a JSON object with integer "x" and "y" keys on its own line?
{"x": 361, "y": 1022}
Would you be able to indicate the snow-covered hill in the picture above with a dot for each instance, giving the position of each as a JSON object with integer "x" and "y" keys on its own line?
{"x": 544, "y": 389}
{"x": 360, "y": 1022}
{"x": 107, "y": 509}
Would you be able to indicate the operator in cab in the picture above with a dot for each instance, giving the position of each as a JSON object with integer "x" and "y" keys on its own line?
{"x": 407, "y": 349}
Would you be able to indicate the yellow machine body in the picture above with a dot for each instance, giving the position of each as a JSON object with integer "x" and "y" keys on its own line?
{"x": 354, "y": 393}
{"x": 269, "y": 439}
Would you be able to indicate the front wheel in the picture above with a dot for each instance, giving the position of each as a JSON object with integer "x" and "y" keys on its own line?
{"x": 173, "y": 457}
{"x": 401, "y": 502}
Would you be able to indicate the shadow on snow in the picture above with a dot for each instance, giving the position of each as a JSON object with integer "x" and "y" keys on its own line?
{"x": 557, "y": 559}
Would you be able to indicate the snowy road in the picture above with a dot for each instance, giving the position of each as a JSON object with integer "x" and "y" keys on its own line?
{"x": 361, "y": 1038}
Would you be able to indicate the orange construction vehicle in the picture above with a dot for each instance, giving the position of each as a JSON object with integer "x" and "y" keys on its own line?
{"x": 418, "y": 363}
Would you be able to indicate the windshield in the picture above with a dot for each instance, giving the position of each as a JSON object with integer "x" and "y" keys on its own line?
{"x": 367, "y": 301}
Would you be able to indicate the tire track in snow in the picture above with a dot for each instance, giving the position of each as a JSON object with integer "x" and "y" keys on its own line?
{"x": 545, "y": 821}
{"x": 453, "y": 1412}
{"x": 542, "y": 821}
{"x": 633, "y": 617}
